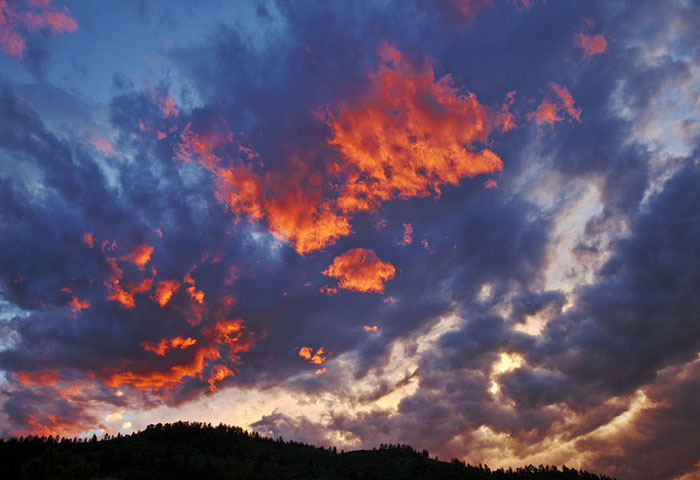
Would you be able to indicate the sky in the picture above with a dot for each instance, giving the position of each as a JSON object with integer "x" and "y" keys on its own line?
{"x": 471, "y": 226}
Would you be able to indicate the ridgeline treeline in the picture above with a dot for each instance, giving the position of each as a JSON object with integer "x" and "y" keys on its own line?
{"x": 185, "y": 450}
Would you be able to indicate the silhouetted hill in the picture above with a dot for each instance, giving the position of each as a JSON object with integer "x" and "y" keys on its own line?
{"x": 198, "y": 451}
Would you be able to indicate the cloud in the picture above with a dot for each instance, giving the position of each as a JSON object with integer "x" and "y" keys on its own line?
{"x": 591, "y": 44}
{"x": 164, "y": 291}
{"x": 465, "y": 10}
{"x": 407, "y": 138}
{"x": 140, "y": 256}
{"x": 307, "y": 353}
{"x": 164, "y": 345}
{"x": 285, "y": 162}
{"x": 359, "y": 269}
{"x": 407, "y": 234}
{"x": 42, "y": 377}
{"x": 548, "y": 111}
{"x": 16, "y": 24}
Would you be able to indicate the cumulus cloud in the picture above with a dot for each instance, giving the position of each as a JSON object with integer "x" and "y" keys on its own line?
{"x": 361, "y": 270}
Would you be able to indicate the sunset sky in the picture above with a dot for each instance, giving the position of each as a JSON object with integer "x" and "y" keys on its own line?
{"x": 472, "y": 226}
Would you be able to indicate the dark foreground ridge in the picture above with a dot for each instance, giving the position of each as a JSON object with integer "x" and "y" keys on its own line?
{"x": 186, "y": 450}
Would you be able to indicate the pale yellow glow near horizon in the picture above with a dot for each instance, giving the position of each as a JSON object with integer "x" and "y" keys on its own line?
{"x": 243, "y": 407}
{"x": 114, "y": 416}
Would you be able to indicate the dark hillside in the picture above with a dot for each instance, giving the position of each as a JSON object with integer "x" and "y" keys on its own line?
{"x": 197, "y": 451}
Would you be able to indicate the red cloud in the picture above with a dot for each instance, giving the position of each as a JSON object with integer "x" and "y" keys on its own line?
{"x": 125, "y": 296}
{"x": 78, "y": 304}
{"x": 140, "y": 256}
{"x": 407, "y": 234}
{"x": 408, "y": 137}
{"x": 39, "y": 377}
{"x": 218, "y": 373}
{"x": 15, "y": 24}
{"x": 165, "y": 344}
{"x": 167, "y": 379}
{"x": 591, "y": 44}
{"x": 88, "y": 240}
{"x": 548, "y": 111}
{"x": 568, "y": 101}
{"x": 165, "y": 291}
{"x": 55, "y": 425}
{"x": 230, "y": 335}
{"x": 360, "y": 270}
{"x": 165, "y": 103}
{"x": 195, "y": 295}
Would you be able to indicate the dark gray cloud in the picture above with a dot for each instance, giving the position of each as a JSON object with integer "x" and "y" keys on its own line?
{"x": 481, "y": 255}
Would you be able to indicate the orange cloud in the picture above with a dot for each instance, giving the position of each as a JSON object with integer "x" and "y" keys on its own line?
{"x": 591, "y": 44}
{"x": 78, "y": 304}
{"x": 165, "y": 344}
{"x": 167, "y": 379}
{"x": 316, "y": 358}
{"x": 326, "y": 290}
{"x": 360, "y": 270}
{"x": 546, "y": 113}
{"x": 125, "y": 296}
{"x": 40, "y": 15}
{"x": 165, "y": 291}
{"x": 87, "y": 240}
{"x": 232, "y": 334}
{"x": 305, "y": 352}
{"x": 218, "y": 373}
{"x": 490, "y": 184}
{"x": 321, "y": 371}
{"x": 39, "y": 377}
{"x": 302, "y": 216}
{"x": 410, "y": 137}
{"x": 195, "y": 295}
{"x": 407, "y": 234}
{"x": 54, "y": 425}
{"x": 568, "y": 101}
{"x": 549, "y": 111}
{"x": 367, "y": 328}
{"x": 140, "y": 256}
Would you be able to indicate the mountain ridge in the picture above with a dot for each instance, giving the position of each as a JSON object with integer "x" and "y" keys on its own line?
{"x": 193, "y": 450}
